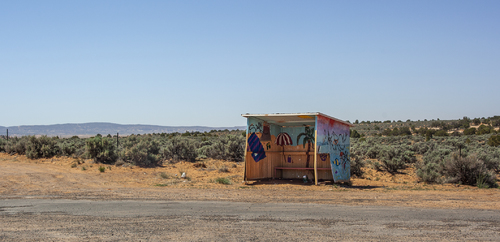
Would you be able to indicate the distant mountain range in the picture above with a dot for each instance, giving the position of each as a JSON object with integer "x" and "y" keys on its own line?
{"x": 91, "y": 129}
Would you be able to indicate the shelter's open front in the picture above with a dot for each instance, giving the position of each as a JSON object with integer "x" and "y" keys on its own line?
{"x": 290, "y": 146}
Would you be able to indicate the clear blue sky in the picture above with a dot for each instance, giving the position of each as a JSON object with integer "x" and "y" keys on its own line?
{"x": 207, "y": 62}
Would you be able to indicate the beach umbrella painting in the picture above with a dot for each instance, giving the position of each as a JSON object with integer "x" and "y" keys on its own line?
{"x": 284, "y": 139}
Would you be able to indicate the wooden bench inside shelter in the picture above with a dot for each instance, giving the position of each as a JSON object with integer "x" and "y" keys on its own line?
{"x": 297, "y": 168}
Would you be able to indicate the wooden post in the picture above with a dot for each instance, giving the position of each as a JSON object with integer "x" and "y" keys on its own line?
{"x": 117, "y": 142}
{"x": 316, "y": 157}
{"x": 245, "y": 157}
{"x": 7, "y": 135}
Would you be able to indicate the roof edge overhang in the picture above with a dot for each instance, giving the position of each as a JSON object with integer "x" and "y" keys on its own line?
{"x": 247, "y": 115}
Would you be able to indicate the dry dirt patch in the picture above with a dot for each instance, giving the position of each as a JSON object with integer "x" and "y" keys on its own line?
{"x": 63, "y": 177}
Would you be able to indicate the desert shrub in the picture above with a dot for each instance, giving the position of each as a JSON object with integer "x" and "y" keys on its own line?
{"x": 491, "y": 158}
{"x": 164, "y": 175}
{"x": 494, "y": 140}
{"x": 391, "y": 159}
{"x": 428, "y": 134}
{"x": 496, "y": 122}
{"x": 67, "y": 149}
{"x": 467, "y": 170}
{"x": 222, "y": 180}
{"x": 441, "y": 133}
{"x": 224, "y": 169}
{"x": 228, "y": 147}
{"x": 16, "y": 145}
{"x": 373, "y": 152}
{"x": 179, "y": 148}
{"x": 436, "y": 156}
{"x": 73, "y": 146}
{"x": 430, "y": 172}
{"x": 102, "y": 168}
{"x": 356, "y": 165}
{"x": 483, "y": 129}
{"x": 119, "y": 162}
{"x": 101, "y": 149}
{"x": 354, "y": 134}
{"x": 2, "y": 144}
{"x": 422, "y": 147}
{"x": 235, "y": 148}
{"x": 470, "y": 131}
{"x": 146, "y": 153}
{"x": 43, "y": 147}
{"x": 408, "y": 156}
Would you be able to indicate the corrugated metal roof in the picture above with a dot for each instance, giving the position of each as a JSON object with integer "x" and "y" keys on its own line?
{"x": 289, "y": 119}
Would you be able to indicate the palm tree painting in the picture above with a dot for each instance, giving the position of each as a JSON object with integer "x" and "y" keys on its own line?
{"x": 309, "y": 139}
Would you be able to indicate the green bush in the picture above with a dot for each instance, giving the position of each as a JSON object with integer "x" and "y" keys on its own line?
{"x": 164, "y": 175}
{"x": 43, "y": 147}
{"x": 483, "y": 129}
{"x": 101, "y": 149}
{"x": 67, "y": 149}
{"x": 222, "y": 180}
{"x": 467, "y": 170}
{"x": 16, "y": 145}
{"x": 3, "y": 143}
{"x": 430, "y": 172}
{"x": 180, "y": 149}
{"x": 392, "y": 159}
{"x": 441, "y": 133}
{"x": 354, "y": 134}
{"x": 146, "y": 153}
{"x": 356, "y": 165}
{"x": 470, "y": 131}
{"x": 491, "y": 158}
{"x": 494, "y": 140}
{"x": 373, "y": 152}
{"x": 228, "y": 147}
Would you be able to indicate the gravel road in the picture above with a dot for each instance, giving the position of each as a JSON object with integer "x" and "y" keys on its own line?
{"x": 136, "y": 220}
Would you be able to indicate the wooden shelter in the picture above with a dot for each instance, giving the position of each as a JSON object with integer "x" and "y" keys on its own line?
{"x": 290, "y": 146}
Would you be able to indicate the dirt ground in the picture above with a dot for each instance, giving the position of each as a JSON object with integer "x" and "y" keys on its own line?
{"x": 62, "y": 177}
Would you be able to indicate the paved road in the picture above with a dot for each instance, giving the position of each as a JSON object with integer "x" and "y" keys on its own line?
{"x": 67, "y": 220}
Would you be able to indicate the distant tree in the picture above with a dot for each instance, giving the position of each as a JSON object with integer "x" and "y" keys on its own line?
{"x": 428, "y": 134}
{"x": 441, "y": 133}
{"x": 354, "y": 134}
{"x": 494, "y": 140}
{"x": 470, "y": 131}
{"x": 483, "y": 129}
{"x": 395, "y": 132}
{"x": 404, "y": 131}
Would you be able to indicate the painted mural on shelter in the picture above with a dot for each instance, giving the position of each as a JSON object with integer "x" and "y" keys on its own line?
{"x": 261, "y": 136}
{"x": 333, "y": 139}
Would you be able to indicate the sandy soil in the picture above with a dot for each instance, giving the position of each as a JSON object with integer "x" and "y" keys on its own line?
{"x": 63, "y": 177}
